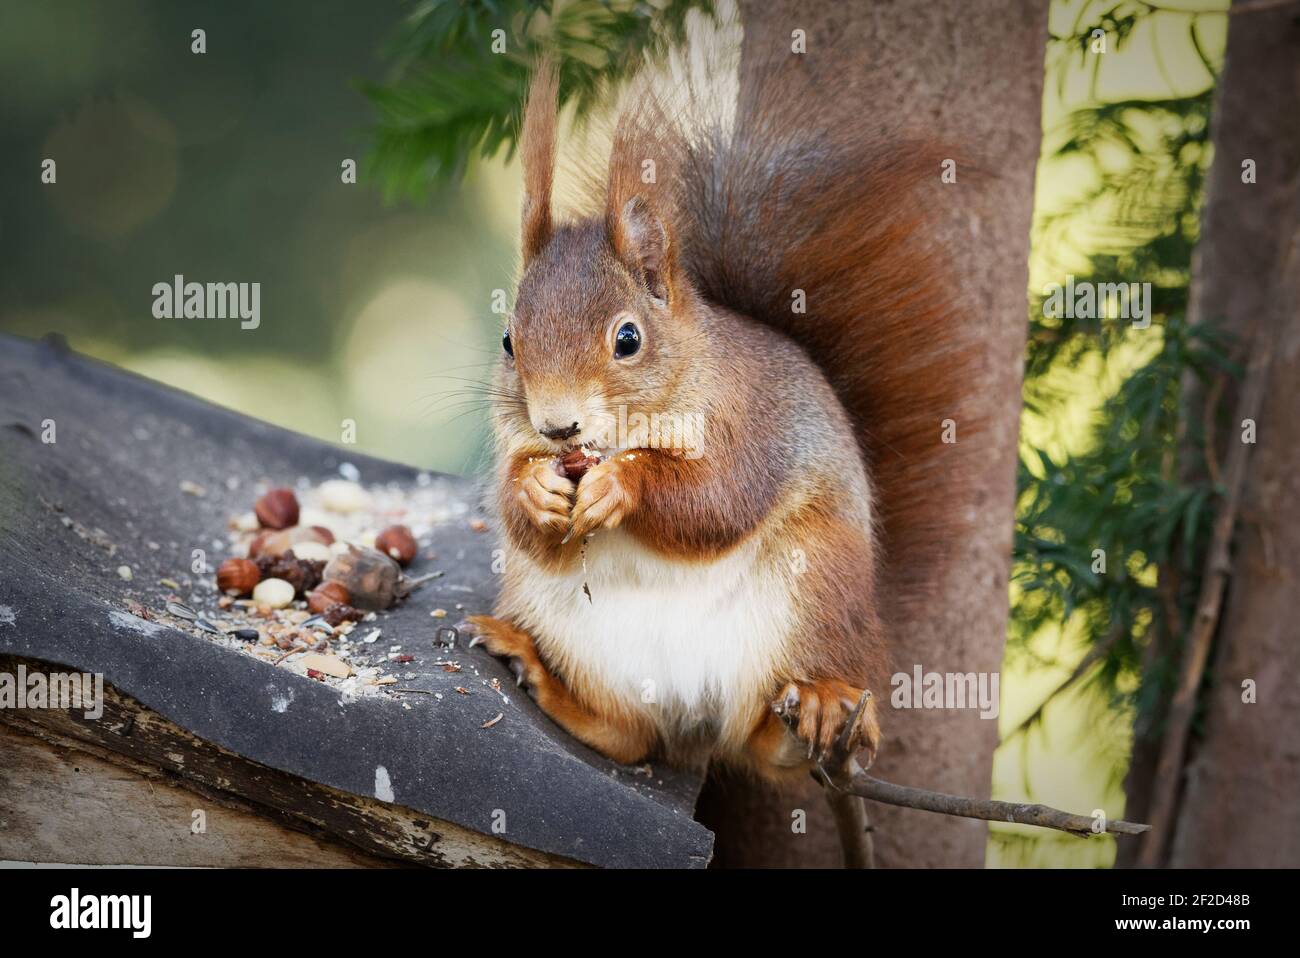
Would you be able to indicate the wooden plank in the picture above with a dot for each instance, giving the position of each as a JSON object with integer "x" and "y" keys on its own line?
{"x": 130, "y": 735}
{"x": 61, "y": 803}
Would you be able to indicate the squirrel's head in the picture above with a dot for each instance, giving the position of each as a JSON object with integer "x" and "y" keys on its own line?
{"x": 601, "y": 319}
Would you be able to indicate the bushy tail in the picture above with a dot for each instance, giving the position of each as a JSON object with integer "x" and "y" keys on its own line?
{"x": 819, "y": 234}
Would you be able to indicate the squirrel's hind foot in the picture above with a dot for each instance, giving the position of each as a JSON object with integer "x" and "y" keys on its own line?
{"x": 511, "y": 645}
{"x": 622, "y": 737}
{"x": 830, "y": 721}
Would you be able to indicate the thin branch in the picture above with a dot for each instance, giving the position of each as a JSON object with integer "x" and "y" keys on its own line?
{"x": 1211, "y": 408}
{"x": 849, "y": 812}
{"x": 851, "y": 823}
{"x": 1024, "y": 814}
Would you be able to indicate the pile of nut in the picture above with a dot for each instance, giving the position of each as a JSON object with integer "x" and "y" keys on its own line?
{"x": 339, "y": 581}
{"x": 309, "y": 565}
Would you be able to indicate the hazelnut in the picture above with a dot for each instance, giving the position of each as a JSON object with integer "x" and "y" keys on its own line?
{"x": 279, "y": 542}
{"x": 327, "y": 594}
{"x": 397, "y": 543}
{"x": 576, "y": 462}
{"x": 277, "y": 509}
{"x": 273, "y": 593}
{"x": 238, "y": 576}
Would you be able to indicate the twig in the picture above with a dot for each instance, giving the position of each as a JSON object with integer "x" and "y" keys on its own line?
{"x": 847, "y": 809}
{"x": 1182, "y": 705}
{"x": 938, "y": 802}
{"x": 845, "y": 783}
{"x": 1212, "y": 407}
{"x": 294, "y": 651}
{"x": 851, "y": 823}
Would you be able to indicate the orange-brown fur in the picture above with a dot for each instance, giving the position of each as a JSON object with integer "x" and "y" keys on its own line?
{"x": 707, "y": 259}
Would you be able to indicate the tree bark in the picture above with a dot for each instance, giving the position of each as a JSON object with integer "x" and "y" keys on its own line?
{"x": 974, "y": 82}
{"x": 1247, "y": 273}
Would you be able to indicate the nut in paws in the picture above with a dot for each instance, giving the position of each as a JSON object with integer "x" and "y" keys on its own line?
{"x": 604, "y": 499}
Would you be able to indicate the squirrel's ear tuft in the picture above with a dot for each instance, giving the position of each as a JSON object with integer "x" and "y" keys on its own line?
{"x": 537, "y": 154}
{"x": 640, "y": 199}
{"x": 641, "y": 241}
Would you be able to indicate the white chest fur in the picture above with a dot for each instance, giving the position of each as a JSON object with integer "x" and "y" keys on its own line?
{"x": 691, "y": 643}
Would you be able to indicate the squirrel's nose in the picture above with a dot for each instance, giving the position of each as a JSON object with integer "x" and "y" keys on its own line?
{"x": 560, "y": 432}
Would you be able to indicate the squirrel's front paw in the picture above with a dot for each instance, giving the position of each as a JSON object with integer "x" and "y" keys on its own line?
{"x": 604, "y": 499}
{"x": 544, "y": 495}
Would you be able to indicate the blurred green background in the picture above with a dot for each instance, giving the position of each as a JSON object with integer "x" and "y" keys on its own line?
{"x": 226, "y": 166}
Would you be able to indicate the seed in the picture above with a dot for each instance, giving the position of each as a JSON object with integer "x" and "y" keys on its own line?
{"x": 181, "y": 611}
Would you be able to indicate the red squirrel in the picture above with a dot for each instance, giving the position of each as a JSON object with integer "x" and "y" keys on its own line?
{"x": 719, "y": 603}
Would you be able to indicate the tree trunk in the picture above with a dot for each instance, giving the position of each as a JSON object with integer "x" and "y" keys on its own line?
{"x": 975, "y": 83}
{"x": 1239, "y": 806}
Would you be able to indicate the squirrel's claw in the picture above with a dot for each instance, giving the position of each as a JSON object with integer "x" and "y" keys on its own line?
{"x": 514, "y": 647}
{"x": 831, "y": 720}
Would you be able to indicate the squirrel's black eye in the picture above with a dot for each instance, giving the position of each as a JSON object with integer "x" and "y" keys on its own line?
{"x": 626, "y": 341}
{"x": 505, "y": 344}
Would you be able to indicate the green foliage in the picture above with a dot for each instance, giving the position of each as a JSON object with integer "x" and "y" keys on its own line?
{"x": 450, "y": 96}
{"x": 1139, "y": 489}
{"x": 1125, "y": 496}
